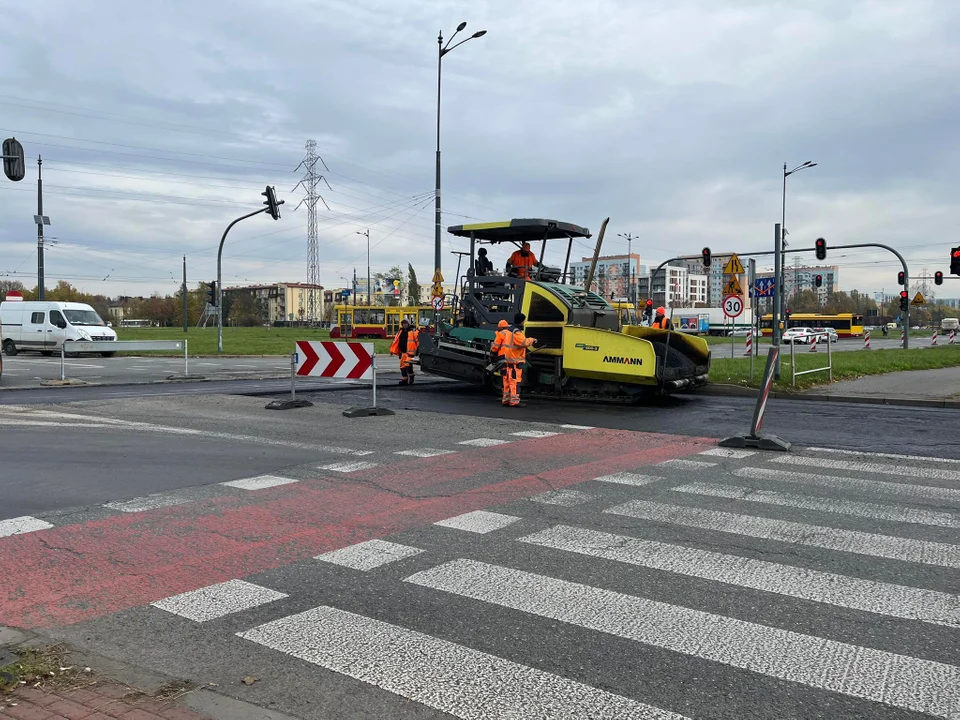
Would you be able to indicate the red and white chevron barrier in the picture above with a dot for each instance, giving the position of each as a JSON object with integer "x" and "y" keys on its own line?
{"x": 901, "y": 338}
{"x": 813, "y": 344}
{"x": 749, "y": 346}
{"x": 953, "y": 335}
{"x": 934, "y": 337}
{"x": 866, "y": 340}
{"x": 343, "y": 360}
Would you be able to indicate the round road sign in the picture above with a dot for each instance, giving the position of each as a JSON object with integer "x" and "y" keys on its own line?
{"x": 438, "y": 304}
{"x": 733, "y": 306}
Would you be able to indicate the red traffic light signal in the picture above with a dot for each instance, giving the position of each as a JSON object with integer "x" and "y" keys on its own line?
{"x": 900, "y": 278}
{"x": 938, "y": 278}
{"x": 821, "y": 248}
{"x": 903, "y": 295}
{"x": 818, "y": 280}
{"x": 955, "y": 261}
{"x": 706, "y": 257}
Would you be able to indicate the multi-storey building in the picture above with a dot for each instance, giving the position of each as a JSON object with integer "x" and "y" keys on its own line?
{"x": 615, "y": 276}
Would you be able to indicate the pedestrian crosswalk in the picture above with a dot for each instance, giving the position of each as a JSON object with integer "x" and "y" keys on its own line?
{"x": 737, "y": 585}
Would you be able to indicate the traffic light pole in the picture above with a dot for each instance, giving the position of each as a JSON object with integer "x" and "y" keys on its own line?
{"x": 219, "y": 275}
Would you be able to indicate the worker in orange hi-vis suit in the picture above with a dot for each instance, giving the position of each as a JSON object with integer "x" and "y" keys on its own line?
{"x": 523, "y": 260}
{"x": 406, "y": 344}
{"x": 496, "y": 350}
{"x": 515, "y": 345}
{"x": 662, "y": 321}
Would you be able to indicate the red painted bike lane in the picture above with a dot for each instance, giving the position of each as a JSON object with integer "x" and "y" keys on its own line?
{"x": 79, "y": 572}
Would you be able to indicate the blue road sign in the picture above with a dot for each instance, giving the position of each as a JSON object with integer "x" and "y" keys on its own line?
{"x": 763, "y": 287}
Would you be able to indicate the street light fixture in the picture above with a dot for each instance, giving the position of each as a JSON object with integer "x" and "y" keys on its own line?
{"x": 367, "y": 233}
{"x": 630, "y": 286}
{"x": 443, "y": 50}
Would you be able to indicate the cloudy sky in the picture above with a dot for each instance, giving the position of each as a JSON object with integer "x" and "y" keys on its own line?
{"x": 160, "y": 122}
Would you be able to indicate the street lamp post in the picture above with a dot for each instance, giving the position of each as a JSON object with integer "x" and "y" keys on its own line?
{"x": 367, "y": 233}
{"x": 443, "y": 50}
{"x": 631, "y": 295}
{"x": 780, "y": 246}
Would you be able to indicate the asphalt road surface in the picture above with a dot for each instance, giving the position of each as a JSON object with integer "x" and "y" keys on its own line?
{"x": 457, "y": 560}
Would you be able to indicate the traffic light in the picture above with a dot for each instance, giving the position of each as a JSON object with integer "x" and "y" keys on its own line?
{"x": 904, "y": 300}
{"x": 821, "y": 249}
{"x": 706, "y": 257}
{"x": 273, "y": 205}
{"x": 900, "y": 278}
{"x": 955, "y": 261}
{"x": 212, "y": 293}
{"x": 818, "y": 280}
{"x": 13, "y": 163}
{"x": 938, "y": 278}
{"x": 786, "y": 314}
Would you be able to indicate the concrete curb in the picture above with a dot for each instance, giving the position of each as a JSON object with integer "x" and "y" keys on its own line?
{"x": 740, "y": 391}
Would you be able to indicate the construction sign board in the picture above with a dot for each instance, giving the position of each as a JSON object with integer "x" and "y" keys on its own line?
{"x": 733, "y": 287}
{"x": 918, "y": 300}
{"x": 733, "y": 266}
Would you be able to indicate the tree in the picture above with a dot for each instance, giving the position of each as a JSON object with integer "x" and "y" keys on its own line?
{"x": 413, "y": 287}
{"x": 8, "y": 286}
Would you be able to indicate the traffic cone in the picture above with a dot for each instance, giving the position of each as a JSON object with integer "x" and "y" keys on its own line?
{"x": 866, "y": 340}
{"x": 935, "y": 337}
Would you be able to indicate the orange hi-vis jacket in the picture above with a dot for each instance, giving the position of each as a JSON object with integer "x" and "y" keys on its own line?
{"x": 523, "y": 264}
{"x": 514, "y": 346}
{"x": 661, "y": 322}
{"x": 497, "y": 347}
{"x": 413, "y": 343}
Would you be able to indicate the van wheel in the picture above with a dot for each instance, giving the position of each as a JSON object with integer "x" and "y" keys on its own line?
{"x": 9, "y": 348}
{"x": 46, "y": 353}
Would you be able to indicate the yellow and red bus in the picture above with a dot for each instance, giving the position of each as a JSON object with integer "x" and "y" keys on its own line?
{"x": 846, "y": 324}
{"x": 379, "y": 321}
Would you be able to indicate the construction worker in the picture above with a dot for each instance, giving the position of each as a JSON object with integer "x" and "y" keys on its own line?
{"x": 483, "y": 266}
{"x": 522, "y": 261}
{"x": 648, "y": 312}
{"x": 496, "y": 351}
{"x": 406, "y": 344}
{"x": 662, "y": 321}
{"x": 514, "y": 350}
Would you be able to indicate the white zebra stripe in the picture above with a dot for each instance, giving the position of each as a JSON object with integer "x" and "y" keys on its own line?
{"x": 862, "y": 672}
{"x": 892, "y": 456}
{"x": 883, "y": 469}
{"x": 448, "y": 677}
{"x": 877, "y": 487}
{"x": 881, "y": 598}
{"x": 852, "y": 541}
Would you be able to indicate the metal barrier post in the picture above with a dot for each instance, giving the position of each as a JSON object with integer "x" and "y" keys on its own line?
{"x": 754, "y": 438}
{"x": 830, "y": 356}
{"x": 374, "y": 361}
{"x": 292, "y": 402}
{"x": 62, "y": 370}
{"x": 293, "y": 377}
{"x": 793, "y": 363}
{"x": 186, "y": 358}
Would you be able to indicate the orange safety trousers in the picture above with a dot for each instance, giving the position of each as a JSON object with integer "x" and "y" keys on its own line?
{"x": 512, "y": 377}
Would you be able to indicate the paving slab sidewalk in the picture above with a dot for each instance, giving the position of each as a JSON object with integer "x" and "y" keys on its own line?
{"x": 933, "y": 385}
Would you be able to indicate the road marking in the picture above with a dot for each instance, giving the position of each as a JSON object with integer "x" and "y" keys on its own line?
{"x": 565, "y": 498}
{"x": 823, "y": 587}
{"x": 484, "y": 442}
{"x": 923, "y": 552}
{"x": 884, "y": 677}
{"x": 728, "y": 453}
{"x": 353, "y": 466}
{"x": 442, "y": 675}
{"x": 478, "y": 521}
{"x": 21, "y": 525}
{"x": 343, "y": 450}
{"x": 578, "y": 427}
{"x": 50, "y": 423}
{"x": 369, "y": 555}
{"x": 628, "y": 478}
{"x": 829, "y": 505}
{"x": 534, "y": 433}
{"x": 150, "y": 502}
{"x": 215, "y": 601}
{"x": 687, "y": 464}
{"x": 931, "y": 473}
{"x": 260, "y": 482}
{"x": 424, "y": 452}
{"x": 880, "y": 487}
{"x": 892, "y": 456}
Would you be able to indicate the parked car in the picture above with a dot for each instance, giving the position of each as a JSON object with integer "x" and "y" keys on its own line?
{"x": 798, "y": 335}
{"x": 826, "y": 334}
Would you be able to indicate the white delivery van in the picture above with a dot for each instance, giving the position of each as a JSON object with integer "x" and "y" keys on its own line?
{"x": 948, "y": 324}
{"x": 45, "y": 326}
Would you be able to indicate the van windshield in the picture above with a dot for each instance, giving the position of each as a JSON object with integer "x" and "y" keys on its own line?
{"x": 83, "y": 317}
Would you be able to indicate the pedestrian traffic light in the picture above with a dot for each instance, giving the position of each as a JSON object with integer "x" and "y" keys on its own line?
{"x": 938, "y": 278}
{"x": 706, "y": 257}
{"x": 955, "y": 261}
{"x": 904, "y": 300}
{"x": 821, "y": 246}
{"x": 786, "y": 314}
{"x": 900, "y": 278}
{"x": 212, "y": 293}
{"x": 273, "y": 205}
{"x": 818, "y": 280}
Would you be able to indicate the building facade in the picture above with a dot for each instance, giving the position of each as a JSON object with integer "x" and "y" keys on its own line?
{"x": 281, "y": 303}
{"x": 616, "y": 276}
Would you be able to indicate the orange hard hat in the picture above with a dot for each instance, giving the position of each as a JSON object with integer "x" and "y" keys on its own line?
{"x": 649, "y": 302}
{"x": 503, "y": 324}
{"x": 661, "y": 311}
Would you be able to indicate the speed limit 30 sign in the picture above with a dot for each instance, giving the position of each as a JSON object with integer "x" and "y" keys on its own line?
{"x": 733, "y": 306}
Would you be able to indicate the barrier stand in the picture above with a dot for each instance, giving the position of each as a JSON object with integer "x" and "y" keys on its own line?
{"x": 953, "y": 334}
{"x": 934, "y": 337}
{"x": 749, "y": 345}
{"x": 373, "y": 410}
{"x": 292, "y": 402}
{"x": 866, "y": 340}
{"x": 813, "y": 345}
{"x": 114, "y": 346}
{"x": 754, "y": 439}
{"x": 901, "y": 338}
{"x": 793, "y": 364}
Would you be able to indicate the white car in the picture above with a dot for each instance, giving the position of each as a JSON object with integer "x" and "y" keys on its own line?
{"x": 799, "y": 335}
{"x": 826, "y": 334}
